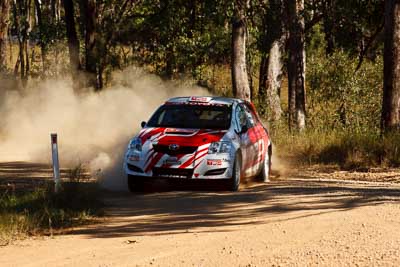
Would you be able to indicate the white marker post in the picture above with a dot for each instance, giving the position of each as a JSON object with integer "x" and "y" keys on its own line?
{"x": 56, "y": 165}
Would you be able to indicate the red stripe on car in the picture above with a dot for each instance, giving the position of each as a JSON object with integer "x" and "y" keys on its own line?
{"x": 187, "y": 163}
{"x": 153, "y": 162}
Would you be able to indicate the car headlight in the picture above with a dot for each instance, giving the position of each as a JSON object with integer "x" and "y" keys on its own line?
{"x": 135, "y": 144}
{"x": 219, "y": 147}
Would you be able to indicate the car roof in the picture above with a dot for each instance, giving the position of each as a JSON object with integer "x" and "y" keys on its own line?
{"x": 212, "y": 100}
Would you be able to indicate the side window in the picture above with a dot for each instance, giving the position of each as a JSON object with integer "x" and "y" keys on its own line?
{"x": 240, "y": 116}
{"x": 251, "y": 121}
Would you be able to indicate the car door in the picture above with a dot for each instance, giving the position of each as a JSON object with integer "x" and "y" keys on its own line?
{"x": 245, "y": 130}
{"x": 260, "y": 137}
{"x": 253, "y": 147}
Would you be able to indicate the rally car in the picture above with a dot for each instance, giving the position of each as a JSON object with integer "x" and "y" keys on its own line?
{"x": 200, "y": 138}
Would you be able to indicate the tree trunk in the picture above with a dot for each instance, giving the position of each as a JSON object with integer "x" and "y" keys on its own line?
{"x": 271, "y": 68}
{"x": 240, "y": 81}
{"x": 391, "y": 85}
{"x": 296, "y": 66}
{"x": 328, "y": 25}
{"x": 41, "y": 37}
{"x": 21, "y": 27}
{"x": 271, "y": 81}
{"x": 4, "y": 22}
{"x": 89, "y": 21}
{"x": 53, "y": 4}
{"x": 26, "y": 34}
{"x": 73, "y": 41}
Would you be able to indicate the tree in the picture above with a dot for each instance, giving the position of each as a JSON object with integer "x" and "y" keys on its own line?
{"x": 41, "y": 31}
{"x": 21, "y": 16}
{"x": 4, "y": 22}
{"x": 88, "y": 12}
{"x": 391, "y": 87}
{"x": 362, "y": 20}
{"x": 72, "y": 37}
{"x": 273, "y": 50}
{"x": 240, "y": 81}
{"x": 296, "y": 65}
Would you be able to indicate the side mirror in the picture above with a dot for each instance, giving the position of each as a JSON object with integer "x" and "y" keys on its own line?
{"x": 143, "y": 124}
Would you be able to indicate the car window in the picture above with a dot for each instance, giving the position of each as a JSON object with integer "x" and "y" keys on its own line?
{"x": 251, "y": 119}
{"x": 241, "y": 117}
{"x": 192, "y": 116}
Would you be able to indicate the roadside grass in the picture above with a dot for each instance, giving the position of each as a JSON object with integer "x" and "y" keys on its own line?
{"x": 42, "y": 212}
{"x": 347, "y": 149}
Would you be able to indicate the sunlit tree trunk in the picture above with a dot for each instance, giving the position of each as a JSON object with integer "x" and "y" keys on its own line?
{"x": 296, "y": 65}
{"x": 4, "y": 22}
{"x": 271, "y": 82}
{"x": 240, "y": 81}
{"x": 391, "y": 92}
{"x": 271, "y": 67}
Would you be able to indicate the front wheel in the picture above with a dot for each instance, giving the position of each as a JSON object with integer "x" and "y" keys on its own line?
{"x": 266, "y": 168}
{"x": 234, "y": 182}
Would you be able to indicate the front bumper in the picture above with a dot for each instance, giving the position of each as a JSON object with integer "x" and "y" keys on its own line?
{"x": 210, "y": 166}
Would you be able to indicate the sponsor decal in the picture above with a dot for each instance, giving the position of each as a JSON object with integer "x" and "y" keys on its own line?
{"x": 214, "y": 162}
{"x": 172, "y": 161}
{"x": 134, "y": 157}
{"x": 200, "y": 99}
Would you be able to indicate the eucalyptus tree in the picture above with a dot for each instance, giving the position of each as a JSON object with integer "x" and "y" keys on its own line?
{"x": 4, "y": 22}
{"x": 391, "y": 94}
{"x": 72, "y": 37}
{"x": 296, "y": 64}
{"x": 240, "y": 79}
{"x": 274, "y": 35}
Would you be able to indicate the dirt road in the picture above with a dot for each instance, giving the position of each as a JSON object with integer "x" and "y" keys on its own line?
{"x": 304, "y": 219}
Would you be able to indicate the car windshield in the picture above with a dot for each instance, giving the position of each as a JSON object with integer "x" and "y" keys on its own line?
{"x": 192, "y": 116}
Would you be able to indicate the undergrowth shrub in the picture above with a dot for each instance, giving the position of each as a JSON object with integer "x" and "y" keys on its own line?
{"x": 347, "y": 149}
{"x": 42, "y": 210}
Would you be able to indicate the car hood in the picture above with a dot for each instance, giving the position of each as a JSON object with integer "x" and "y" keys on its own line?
{"x": 182, "y": 137}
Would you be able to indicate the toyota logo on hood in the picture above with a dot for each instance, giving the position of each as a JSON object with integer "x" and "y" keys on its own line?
{"x": 173, "y": 147}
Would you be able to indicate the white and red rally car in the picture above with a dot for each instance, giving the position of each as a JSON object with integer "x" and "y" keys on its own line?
{"x": 200, "y": 138}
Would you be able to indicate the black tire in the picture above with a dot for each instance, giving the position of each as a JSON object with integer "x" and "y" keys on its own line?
{"x": 135, "y": 184}
{"x": 265, "y": 173}
{"x": 234, "y": 182}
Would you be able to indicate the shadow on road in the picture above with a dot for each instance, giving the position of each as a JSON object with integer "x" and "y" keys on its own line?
{"x": 165, "y": 210}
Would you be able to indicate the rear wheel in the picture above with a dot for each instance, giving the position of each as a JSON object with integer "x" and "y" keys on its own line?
{"x": 265, "y": 173}
{"x": 234, "y": 182}
{"x": 135, "y": 184}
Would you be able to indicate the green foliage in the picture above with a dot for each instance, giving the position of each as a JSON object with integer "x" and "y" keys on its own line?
{"x": 354, "y": 26}
{"x": 339, "y": 97}
{"x": 180, "y": 36}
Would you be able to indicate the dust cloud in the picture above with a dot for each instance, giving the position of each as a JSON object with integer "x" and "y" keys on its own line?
{"x": 93, "y": 128}
{"x": 280, "y": 167}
